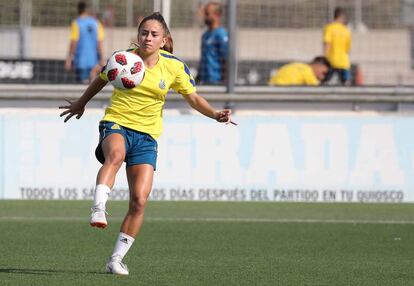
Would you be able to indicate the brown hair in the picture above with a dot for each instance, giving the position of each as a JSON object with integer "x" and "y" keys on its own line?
{"x": 82, "y": 7}
{"x": 169, "y": 44}
{"x": 322, "y": 61}
{"x": 339, "y": 11}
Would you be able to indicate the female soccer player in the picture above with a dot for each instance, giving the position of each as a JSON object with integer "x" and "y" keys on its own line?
{"x": 130, "y": 126}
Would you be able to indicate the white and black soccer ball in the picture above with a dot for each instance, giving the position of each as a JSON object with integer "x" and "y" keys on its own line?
{"x": 125, "y": 70}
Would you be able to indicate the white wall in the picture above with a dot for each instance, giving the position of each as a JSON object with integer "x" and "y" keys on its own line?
{"x": 269, "y": 156}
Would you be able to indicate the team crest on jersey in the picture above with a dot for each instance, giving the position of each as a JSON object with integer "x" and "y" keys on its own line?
{"x": 162, "y": 84}
{"x": 116, "y": 127}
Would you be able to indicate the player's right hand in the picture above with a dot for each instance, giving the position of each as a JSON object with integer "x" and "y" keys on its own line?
{"x": 68, "y": 64}
{"x": 74, "y": 108}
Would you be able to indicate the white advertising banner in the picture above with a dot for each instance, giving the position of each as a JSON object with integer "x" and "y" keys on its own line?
{"x": 307, "y": 157}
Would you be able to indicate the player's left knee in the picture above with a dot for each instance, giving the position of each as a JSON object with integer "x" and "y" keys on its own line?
{"x": 137, "y": 205}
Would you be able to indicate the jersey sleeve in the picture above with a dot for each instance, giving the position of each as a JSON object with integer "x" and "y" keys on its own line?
{"x": 311, "y": 81}
{"x": 74, "y": 31}
{"x": 184, "y": 82}
{"x": 310, "y": 78}
{"x": 283, "y": 76}
{"x": 102, "y": 74}
{"x": 101, "y": 33}
{"x": 327, "y": 35}
{"x": 273, "y": 80}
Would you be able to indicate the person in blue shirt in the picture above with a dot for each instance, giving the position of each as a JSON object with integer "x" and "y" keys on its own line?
{"x": 85, "y": 50}
{"x": 214, "y": 45}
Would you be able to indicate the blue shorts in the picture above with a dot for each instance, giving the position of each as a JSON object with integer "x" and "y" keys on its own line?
{"x": 344, "y": 75}
{"x": 140, "y": 148}
{"x": 82, "y": 74}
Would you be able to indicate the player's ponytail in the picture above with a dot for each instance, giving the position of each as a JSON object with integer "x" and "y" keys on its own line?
{"x": 169, "y": 45}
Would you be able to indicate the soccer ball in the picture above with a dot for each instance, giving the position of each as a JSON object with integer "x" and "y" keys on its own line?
{"x": 125, "y": 70}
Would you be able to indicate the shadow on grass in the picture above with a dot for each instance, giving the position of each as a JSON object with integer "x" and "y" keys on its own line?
{"x": 47, "y": 271}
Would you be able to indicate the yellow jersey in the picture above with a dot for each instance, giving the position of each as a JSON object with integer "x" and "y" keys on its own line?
{"x": 294, "y": 74}
{"x": 339, "y": 37}
{"x": 140, "y": 108}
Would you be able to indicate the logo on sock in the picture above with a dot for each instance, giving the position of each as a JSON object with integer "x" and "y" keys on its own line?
{"x": 124, "y": 240}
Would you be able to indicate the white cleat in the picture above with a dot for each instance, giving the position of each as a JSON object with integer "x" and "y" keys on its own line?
{"x": 116, "y": 266}
{"x": 98, "y": 218}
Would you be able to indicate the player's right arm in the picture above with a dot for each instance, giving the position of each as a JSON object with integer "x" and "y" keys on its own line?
{"x": 77, "y": 107}
{"x": 74, "y": 37}
{"x": 327, "y": 40}
{"x": 100, "y": 44}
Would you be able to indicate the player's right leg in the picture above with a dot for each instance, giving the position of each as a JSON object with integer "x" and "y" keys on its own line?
{"x": 113, "y": 150}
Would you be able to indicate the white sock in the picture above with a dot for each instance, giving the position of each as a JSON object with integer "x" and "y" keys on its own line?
{"x": 122, "y": 245}
{"x": 101, "y": 196}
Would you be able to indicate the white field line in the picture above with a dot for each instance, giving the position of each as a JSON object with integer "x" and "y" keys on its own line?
{"x": 228, "y": 220}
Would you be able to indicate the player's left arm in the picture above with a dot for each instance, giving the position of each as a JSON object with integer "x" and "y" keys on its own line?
{"x": 74, "y": 37}
{"x": 184, "y": 84}
{"x": 327, "y": 40}
{"x": 326, "y": 48}
{"x": 200, "y": 104}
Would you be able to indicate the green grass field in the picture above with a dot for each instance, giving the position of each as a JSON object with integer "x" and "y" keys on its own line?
{"x": 211, "y": 243}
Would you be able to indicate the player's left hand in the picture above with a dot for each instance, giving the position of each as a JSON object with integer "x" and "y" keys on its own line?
{"x": 224, "y": 116}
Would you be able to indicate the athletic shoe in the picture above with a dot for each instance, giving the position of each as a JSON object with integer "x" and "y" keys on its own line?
{"x": 116, "y": 266}
{"x": 98, "y": 217}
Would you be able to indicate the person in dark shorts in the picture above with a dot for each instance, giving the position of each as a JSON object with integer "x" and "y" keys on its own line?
{"x": 131, "y": 125}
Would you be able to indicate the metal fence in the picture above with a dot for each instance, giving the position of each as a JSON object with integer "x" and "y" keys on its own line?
{"x": 268, "y": 33}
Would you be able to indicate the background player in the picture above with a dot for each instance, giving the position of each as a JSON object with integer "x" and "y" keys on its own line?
{"x": 214, "y": 45}
{"x": 302, "y": 73}
{"x": 336, "y": 46}
{"x": 85, "y": 48}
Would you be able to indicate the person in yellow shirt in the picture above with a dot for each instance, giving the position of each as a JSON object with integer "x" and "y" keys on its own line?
{"x": 131, "y": 125}
{"x": 337, "y": 44}
{"x": 302, "y": 73}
